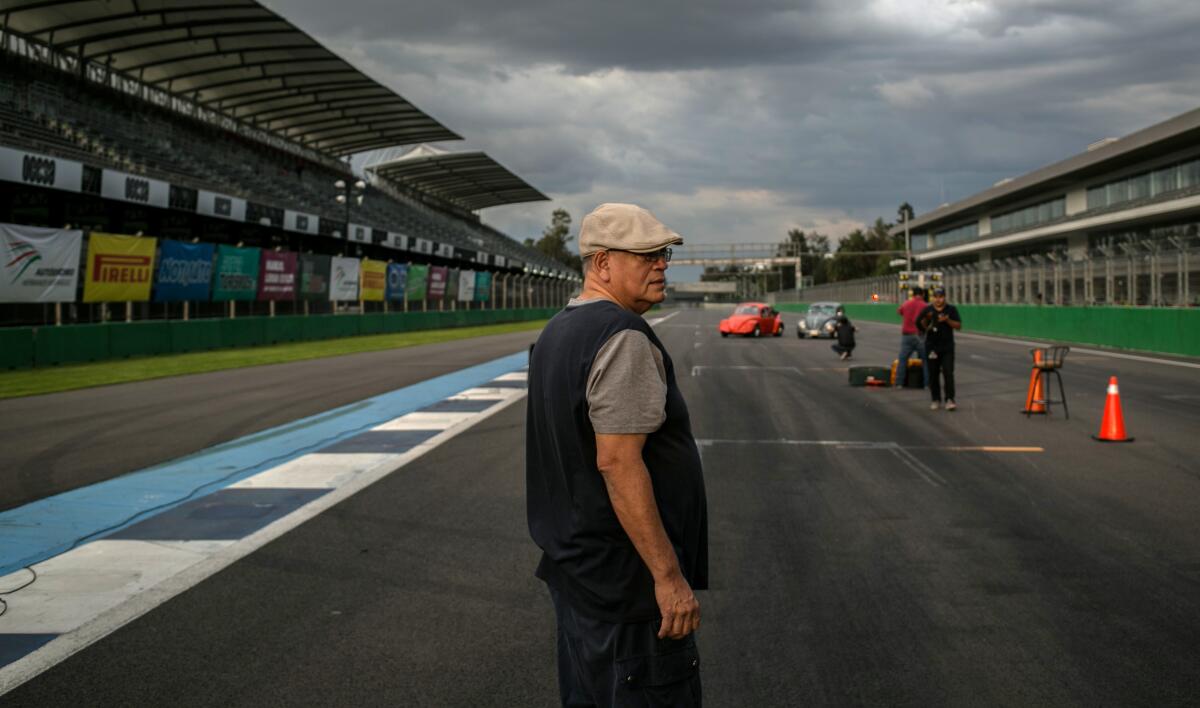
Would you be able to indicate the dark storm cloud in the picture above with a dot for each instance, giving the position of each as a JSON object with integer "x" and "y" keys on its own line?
{"x": 741, "y": 119}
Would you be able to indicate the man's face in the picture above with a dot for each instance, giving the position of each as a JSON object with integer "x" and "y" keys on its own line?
{"x": 939, "y": 300}
{"x": 638, "y": 280}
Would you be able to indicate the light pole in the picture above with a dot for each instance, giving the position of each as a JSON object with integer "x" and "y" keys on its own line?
{"x": 347, "y": 193}
{"x": 906, "y": 212}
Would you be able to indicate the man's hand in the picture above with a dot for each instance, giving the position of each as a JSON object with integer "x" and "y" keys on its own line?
{"x": 679, "y": 608}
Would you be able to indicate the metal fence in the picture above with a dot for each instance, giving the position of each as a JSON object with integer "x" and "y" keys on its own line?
{"x": 1145, "y": 274}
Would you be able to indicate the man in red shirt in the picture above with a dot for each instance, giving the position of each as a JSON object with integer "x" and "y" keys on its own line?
{"x": 910, "y": 339}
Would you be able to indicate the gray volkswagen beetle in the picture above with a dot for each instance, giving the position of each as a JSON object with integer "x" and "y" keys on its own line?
{"x": 819, "y": 320}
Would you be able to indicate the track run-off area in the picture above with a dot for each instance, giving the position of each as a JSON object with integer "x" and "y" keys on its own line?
{"x": 865, "y": 550}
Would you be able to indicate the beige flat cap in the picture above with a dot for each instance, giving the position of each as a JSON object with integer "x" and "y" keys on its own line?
{"x": 623, "y": 227}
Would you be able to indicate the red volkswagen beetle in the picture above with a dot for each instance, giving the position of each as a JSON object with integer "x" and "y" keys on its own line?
{"x": 753, "y": 319}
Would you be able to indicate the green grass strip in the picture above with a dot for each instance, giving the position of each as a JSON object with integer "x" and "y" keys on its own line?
{"x": 32, "y": 382}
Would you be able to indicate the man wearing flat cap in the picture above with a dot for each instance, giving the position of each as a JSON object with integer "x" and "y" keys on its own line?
{"x": 614, "y": 486}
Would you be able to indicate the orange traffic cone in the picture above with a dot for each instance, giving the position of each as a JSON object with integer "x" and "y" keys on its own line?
{"x": 1035, "y": 399}
{"x": 1112, "y": 428}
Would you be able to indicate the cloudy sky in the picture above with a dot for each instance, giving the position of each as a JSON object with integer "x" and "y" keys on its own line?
{"x": 735, "y": 120}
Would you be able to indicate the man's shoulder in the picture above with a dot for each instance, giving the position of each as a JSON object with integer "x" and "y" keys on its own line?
{"x": 594, "y": 316}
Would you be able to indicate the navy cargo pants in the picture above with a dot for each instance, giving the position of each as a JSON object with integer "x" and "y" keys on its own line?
{"x": 605, "y": 665}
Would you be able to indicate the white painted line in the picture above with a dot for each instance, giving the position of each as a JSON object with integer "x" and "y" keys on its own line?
{"x": 514, "y": 376}
{"x": 421, "y": 420}
{"x": 660, "y": 320}
{"x": 479, "y": 394}
{"x": 323, "y": 471}
{"x": 697, "y": 370}
{"x": 99, "y": 587}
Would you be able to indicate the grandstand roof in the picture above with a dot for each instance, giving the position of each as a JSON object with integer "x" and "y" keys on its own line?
{"x": 235, "y": 57}
{"x": 470, "y": 179}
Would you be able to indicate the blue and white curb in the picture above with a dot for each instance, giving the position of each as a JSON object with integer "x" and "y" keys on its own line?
{"x": 105, "y": 555}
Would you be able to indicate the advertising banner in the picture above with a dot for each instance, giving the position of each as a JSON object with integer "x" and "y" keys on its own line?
{"x": 236, "y": 276}
{"x": 184, "y": 271}
{"x": 397, "y": 279}
{"x": 444, "y": 250}
{"x": 452, "y": 284}
{"x": 277, "y": 276}
{"x": 415, "y": 288}
{"x": 358, "y": 233}
{"x": 466, "y": 286}
{"x": 483, "y": 286}
{"x": 119, "y": 268}
{"x": 134, "y": 188}
{"x": 423, "y": 245}
{"x": 396, "y": 240}
{"x": 40, "y": 265}
{"x": 220, "y": 205}
{"x": 343, "y": 281}
{"x": 374, "y": 280}
{"x": 314, "y": 277}
{"x": 299, "y": 222}
{"x": 40, "y": 170}
{"x": 436, "y": 289}
{"x": 500, "y": 261}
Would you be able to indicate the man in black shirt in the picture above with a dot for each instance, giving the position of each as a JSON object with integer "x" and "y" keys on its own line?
{"x": 614, "y": 488}
{"x": 939, "y": 321}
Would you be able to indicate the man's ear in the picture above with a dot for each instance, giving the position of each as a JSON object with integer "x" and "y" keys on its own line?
{"x": 600, "y": 266}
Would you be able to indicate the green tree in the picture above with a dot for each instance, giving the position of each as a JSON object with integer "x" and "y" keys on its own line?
{"x": 811, "y": 248}
{"x": 555, "y": 238}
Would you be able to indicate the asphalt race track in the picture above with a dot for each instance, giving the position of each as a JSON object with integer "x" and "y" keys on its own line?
{"x": 865, "y": 550}
{"x": 53, "y": 443}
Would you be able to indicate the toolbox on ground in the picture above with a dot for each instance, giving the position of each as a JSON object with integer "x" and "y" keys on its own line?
{"x": 915, "y": 378}
{"x": 869, "y": 375}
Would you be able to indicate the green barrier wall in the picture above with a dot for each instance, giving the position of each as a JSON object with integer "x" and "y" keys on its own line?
{"x": 16, "y": 348}
{"x": 71, "y": 344}
{"x": 1163, "y": 330}
{"x": 24, "y": 347}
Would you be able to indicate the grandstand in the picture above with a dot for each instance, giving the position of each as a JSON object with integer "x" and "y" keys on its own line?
{"x": 236, "y": 125}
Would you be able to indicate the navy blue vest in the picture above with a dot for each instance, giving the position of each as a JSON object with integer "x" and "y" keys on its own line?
{"x": 587, "y": 556}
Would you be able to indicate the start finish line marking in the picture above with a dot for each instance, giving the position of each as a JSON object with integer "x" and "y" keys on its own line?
{"x": 874, "y": 445}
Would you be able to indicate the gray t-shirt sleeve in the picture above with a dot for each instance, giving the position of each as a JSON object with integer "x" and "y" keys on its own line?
{"x": 627, "y": 386}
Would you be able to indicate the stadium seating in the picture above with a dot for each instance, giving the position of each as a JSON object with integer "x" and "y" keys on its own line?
{"x": 46, "y": 110}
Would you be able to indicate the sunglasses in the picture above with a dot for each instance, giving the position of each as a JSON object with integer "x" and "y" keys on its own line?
{"x": 663, "y": 254}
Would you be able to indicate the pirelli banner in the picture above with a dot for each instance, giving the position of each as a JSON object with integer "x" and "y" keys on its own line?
{"x": 40, "y": 170}
{"x": 134, "y": 188}
{"x": 119, "y": 268}
{"x": 40, "y": 265}
{"x": 374, "y": 280}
